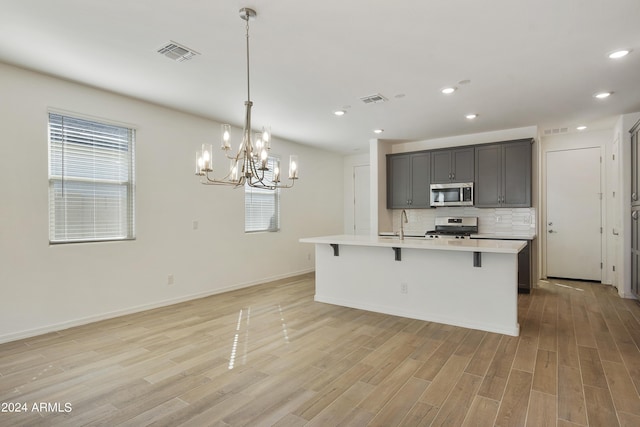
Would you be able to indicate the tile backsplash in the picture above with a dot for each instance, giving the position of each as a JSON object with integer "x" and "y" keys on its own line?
{"x": 507, "y": 221}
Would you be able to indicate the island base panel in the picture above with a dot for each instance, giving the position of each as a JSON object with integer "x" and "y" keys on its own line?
{"x": 431, "y": 285}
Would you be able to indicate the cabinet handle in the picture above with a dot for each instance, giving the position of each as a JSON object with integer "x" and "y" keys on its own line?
{"x": 634, "y": 196}
{"x": 634, "y": 215}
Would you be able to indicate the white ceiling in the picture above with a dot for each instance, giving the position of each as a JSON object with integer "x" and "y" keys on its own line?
{"x": 529, "y": 62}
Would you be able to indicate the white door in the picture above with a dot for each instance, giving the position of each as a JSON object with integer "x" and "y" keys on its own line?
{"x": 573, "y": 233}
{"x": 361, "y": 198}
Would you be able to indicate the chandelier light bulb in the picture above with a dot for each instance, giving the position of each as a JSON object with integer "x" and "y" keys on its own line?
{"x": 276, "y": 171}
{"x": 293, "y": 167}
{"x": 226, "y": 137}
{"x": 234, "y": 171}
{"x": 266, "y": 137}
{"x": 207, "y": 157}
{"x": 199, "y": 163}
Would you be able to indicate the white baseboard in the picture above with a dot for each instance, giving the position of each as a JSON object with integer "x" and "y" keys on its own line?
{"x": 14, "y": 336}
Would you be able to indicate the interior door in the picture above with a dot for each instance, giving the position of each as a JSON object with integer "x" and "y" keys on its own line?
{"x": 573, "y": 233}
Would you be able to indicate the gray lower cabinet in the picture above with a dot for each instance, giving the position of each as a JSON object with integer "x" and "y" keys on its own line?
{"x": 525, "y": 266}
{"x": 524, "y": 269}
{"x": 635, "y": 251}
{"x": 452, "y": 165}
{"x": 503, "y": 174}
{"x": 408, "y": 180}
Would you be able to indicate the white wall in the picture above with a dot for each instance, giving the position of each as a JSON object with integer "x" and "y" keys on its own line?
{"x": 51, "y": 287}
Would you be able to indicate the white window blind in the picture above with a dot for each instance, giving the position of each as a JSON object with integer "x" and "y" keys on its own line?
{"x": 91, "y": 180}
{"x": 262, "y": 207}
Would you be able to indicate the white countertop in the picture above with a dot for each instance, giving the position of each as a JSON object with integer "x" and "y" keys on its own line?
{"x": 503, "y": 236}
{"x": 465, "y": 245}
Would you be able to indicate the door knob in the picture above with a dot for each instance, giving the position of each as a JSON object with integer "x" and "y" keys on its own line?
{"x": 551, "y": 231}
{"x": 550, "y": 223}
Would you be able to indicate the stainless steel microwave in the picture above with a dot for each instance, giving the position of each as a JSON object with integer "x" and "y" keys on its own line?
{"x": 455, "y": 194}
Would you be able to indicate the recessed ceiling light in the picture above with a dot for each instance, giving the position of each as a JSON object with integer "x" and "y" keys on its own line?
{"x": 471, "y": 116}
{"x": 448, "y": 90}
{"x": 619, "y": 53}
{"x": 378, "y": 130}
{"x": 339, "y": 112}
{"x": 602, "y": 95}
{"x": 582, "y": 127}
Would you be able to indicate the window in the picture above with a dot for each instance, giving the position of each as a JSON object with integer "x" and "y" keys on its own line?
{"x": 262, "y": 207}
{"x": 91, "y": 181}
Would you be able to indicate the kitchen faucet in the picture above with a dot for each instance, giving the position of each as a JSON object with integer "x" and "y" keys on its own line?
{"x": 402, "y": 223}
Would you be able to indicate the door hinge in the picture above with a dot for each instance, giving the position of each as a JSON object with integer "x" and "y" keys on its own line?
{"x": 600, "y": 230}
{"x": 600, "y": 266}
{"x": 614, "y": 268}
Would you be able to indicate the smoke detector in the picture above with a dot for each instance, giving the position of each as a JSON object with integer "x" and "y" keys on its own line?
{"x": 177, "y": 52}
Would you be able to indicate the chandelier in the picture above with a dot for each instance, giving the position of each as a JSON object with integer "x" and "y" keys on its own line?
{"x": 250, "y": 165}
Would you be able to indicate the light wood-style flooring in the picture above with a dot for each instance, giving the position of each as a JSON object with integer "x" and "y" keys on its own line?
{"x": 270, "y": 355}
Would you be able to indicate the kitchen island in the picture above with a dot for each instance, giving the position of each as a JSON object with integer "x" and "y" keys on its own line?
{"x": 468, "y": 283}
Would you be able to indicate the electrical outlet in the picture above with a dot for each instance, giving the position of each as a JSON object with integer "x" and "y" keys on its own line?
{"x": 195, "y": 225}
{"x": 404, "y": 288}
{"x": 170, "y": 280}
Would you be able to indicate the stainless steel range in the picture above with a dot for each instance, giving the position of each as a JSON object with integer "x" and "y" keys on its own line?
{"x": 452, "y": 227}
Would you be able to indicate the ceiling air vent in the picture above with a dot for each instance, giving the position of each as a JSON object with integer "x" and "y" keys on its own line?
{"x": 373, "y": 99}
{"x": 177, "y": 52}
{"x": 555, "y": 131}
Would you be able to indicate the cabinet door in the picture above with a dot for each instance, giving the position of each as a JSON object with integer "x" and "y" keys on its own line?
{"x": 635, "y": 173}
{"x": 440, "y": 167}
{"x": 462, "y": 165}
{"x": 488, "y": 176}
{"x": 635, "y": 252}
{"x": 516, "y": 176}
{"x": 398, "y": 181}
{"x": 420, "y": 180}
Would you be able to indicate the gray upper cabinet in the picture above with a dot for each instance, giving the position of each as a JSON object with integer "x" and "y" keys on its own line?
{"x": 503, "y": 174}
{"x": 408, "y": 180}
{"x": 452, "y": 165}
